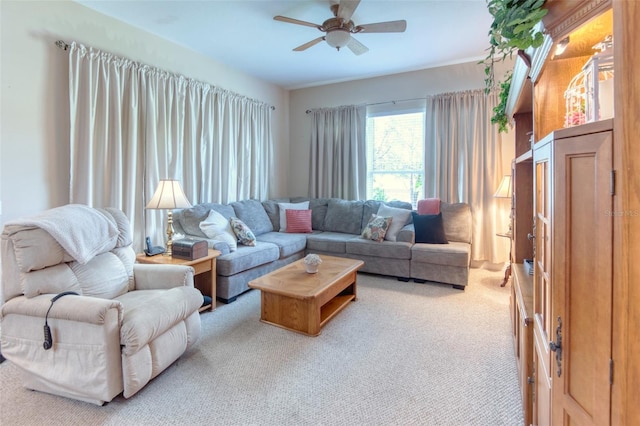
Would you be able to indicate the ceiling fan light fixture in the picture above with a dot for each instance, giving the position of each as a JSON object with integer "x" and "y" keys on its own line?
{"x": 338, "y": 38}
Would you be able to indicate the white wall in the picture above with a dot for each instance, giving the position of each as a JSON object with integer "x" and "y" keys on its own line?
{"x": 34, "y": 135}
{"x": 453, "y": 78}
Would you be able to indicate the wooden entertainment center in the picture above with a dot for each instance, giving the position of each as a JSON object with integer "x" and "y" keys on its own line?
{"x": 575, "y": 203}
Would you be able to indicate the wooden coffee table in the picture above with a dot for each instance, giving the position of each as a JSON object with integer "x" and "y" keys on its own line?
{"x": 302, "y": 302}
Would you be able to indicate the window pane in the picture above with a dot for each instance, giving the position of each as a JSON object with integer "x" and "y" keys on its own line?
{"x": 395, "y": 157}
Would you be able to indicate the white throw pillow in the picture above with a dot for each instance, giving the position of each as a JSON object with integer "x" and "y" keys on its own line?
{"x": 289, "y": 206}
{"x": 400, "y": 219}
{"x": 216, "y": 227}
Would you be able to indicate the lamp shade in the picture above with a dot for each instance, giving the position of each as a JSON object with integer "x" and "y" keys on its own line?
{"x": 504, "y": 190}
{"x": 168, "y": 195}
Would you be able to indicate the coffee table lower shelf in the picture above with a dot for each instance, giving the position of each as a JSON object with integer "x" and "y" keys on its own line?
{"x": 333, "y": 306}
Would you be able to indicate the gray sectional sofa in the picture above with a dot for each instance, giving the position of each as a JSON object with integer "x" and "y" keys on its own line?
{"x": 337, "y": 225}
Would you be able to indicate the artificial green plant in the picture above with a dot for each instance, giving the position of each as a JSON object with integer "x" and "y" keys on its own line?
{"x": 513, "y": 29}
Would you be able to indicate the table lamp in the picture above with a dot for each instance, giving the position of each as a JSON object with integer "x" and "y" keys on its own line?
{"x": 504, "y": 191}
{"x": 169, "y": 195}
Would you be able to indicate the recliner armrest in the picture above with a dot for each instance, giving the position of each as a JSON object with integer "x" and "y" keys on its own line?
{"x": 158, "y": 277}
{"x": 91, "y": 310}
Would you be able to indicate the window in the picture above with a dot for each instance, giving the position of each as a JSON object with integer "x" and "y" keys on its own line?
{"x": 395, "y": 152}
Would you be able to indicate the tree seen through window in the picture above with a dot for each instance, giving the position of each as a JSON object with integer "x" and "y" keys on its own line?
{"x": 395, "y": 145}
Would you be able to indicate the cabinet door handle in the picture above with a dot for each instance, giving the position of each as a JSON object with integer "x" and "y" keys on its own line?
{"x": 557, "y": 346}
{"x": 531, "y": 237}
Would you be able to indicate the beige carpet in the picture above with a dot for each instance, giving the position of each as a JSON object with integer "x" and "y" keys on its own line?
{"x": 403, "y": 354}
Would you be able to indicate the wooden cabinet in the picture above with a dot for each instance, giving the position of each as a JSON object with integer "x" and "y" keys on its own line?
{"x": 584, "y": 204}
{"x": 573, "y": 286}
{"x": 521, "y": 306}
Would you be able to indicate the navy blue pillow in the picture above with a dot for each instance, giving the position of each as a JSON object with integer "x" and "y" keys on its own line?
{"x": 429, "y": 228}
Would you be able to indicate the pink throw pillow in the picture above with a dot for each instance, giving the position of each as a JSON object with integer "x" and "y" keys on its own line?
{"x": 298, "y": 221}
{"x": 429, "y": 206}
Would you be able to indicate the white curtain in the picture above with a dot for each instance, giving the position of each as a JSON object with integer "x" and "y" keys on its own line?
{"x": 338, "y": 153}
{"x": 132, "y": 125}
{"x": 463, "y": 153}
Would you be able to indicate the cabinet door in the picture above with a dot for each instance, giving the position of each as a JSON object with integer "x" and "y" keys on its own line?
{"x": 582, "y": 279}
{"x": 542, "y": 319}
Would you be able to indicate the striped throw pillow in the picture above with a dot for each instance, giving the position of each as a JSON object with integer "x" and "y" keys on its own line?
{"x": 298, "y": 221}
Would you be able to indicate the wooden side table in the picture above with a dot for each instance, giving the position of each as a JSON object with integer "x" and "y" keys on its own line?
{"x": 507, "y": 272}
{"x": 204, "y": 276}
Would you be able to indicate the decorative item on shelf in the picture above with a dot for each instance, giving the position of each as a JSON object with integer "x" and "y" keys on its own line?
{"x": 528, "y": 266}
{"x": 598, "y": 80}
{"x": 311, "y": 263}
{"x": 504, "y": 191}
{"x": 575, "y": 98}
{"x": 589, "y": 96}
{"x": 169, "y": 195}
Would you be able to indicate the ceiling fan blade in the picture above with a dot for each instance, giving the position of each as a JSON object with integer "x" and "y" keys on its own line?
{"x": 295, "y": 21}
{"x": 346, "y": 9}
{"x": 384, "y": 27}
{"x": 356, "y": 47}
{"x": 309, "y": 44}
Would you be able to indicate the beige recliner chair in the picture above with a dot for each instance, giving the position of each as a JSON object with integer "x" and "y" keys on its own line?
{"x": 127, "y": 324}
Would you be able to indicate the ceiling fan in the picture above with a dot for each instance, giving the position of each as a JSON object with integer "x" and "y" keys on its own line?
{"x": 340, "y": 28}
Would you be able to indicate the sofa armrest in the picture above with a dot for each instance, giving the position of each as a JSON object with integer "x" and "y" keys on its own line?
{"x": 158, "y": 277}
{"x": 90, "y": 310}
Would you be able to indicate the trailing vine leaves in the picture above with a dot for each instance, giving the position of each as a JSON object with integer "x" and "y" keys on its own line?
{"x": 513, "y": 29}
{"x": 499, "y": 111}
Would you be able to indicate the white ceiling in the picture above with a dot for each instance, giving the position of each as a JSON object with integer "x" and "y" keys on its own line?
{"x": 242, "y": 34}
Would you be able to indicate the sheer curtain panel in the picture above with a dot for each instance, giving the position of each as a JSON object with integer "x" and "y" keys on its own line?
{"x": 463, "y": 153}
{"x": 133, "y": 124}
{"x": 338, "y": 150}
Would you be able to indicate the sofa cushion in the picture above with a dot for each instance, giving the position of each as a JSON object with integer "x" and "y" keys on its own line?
{"x": 429, "y": 228}
{"x": 456, "y": 219}
{"x": 287, "y": 243}
{"x": 406, "y": 234}
{"x": 104, "y": 276}
{"x": 243, "y": 232}
{"x": 253, "y": 215}
{"x": 384, "y": 249}
{"x": 318, "y": 207}
{"x": 376, "y": 229}
{"x": 344, "y": 216}
{"x": 401, "y": 217}
{"x": 283, "y": 207}
{"x": 428, "y": 206}
{"x": 298, "y": 221}
{"x": 372, "y": 206}
{"x": 217, "y": 227}
{"x": 36, "y": 249}
{"x": 53, "y": 279}
{"x": 452, "y": 254}
{"x": 334, "y": 242}
{"x": 246, "y": 258}
{"x": 187, "y": 221}
{"x": 273, "y": 211}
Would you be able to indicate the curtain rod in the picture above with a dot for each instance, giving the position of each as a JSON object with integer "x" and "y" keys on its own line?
{"x": 64, "y": 46}
{"x": 381, "y": 103}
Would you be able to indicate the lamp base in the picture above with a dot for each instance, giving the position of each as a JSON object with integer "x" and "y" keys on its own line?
{"x": 170, "y": 232}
